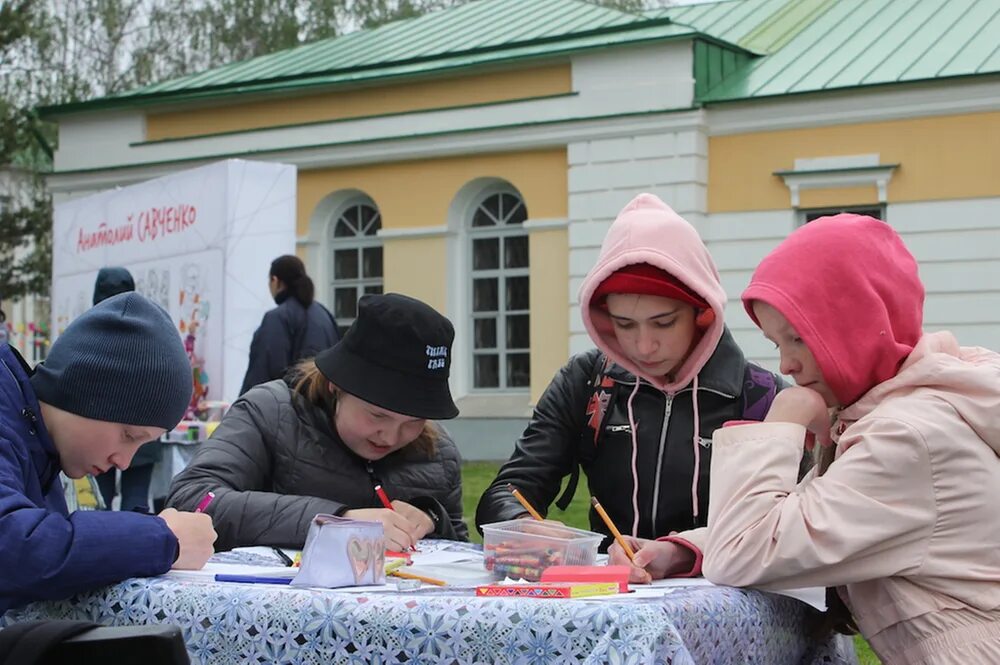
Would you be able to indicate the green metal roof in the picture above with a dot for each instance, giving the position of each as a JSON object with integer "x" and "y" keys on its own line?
{"x": 802, "y": 46}
{"x": 818, "y": 45}
{"x": 761, "y": 26}
{"x": 476, "y": 33}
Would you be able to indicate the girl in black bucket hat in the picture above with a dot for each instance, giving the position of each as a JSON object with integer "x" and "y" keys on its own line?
{"x": 357, "y": 416}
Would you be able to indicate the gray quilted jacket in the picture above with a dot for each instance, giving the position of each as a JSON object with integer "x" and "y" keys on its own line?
{"x": 274, "y": 462}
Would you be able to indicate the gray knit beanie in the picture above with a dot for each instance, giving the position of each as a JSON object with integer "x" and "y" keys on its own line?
{"x": 122, "y": 361}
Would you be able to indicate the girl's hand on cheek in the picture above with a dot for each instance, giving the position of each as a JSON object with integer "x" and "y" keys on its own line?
{"x": 805, "y": 407}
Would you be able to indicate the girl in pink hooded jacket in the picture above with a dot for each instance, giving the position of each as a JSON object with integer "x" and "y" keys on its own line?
{"x": 902, "y": 514}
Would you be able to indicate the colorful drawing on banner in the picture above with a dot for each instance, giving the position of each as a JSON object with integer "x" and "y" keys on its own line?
{"x": 365, "y": 553}
{"x": 193, "y": 308}
{"x": 155, "y": 284}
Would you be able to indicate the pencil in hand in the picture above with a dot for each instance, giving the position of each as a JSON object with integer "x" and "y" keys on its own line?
{"x": 614, "y": 530}
{"x": 524, "y": 502}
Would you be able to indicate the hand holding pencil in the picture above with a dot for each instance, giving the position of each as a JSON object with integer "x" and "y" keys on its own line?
{"x": 403, "y": 524}
{"x": 653, "y": 559}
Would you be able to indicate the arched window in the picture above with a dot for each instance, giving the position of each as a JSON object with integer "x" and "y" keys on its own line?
{"x": 501, "y": 357}
{"x": 356, "y": 257}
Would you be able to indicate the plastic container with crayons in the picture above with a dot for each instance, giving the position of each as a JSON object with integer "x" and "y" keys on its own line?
{"x": 524, "y": 548}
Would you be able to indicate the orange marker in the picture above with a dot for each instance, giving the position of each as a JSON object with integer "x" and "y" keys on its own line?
{"x": 524, "y": 502}
{"x": 611, "y": 526}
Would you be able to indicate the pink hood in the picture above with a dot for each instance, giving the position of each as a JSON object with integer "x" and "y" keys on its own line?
{"x": 967, "y": 378}
{"x": 851, "y": 290}
{"x": 647, "y": 230}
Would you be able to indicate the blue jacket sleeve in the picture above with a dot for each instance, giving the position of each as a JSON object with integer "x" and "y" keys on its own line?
{"x": 47, "y": 555}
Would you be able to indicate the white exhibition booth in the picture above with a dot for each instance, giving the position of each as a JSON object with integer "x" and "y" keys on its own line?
{"x": 198, "y": 242}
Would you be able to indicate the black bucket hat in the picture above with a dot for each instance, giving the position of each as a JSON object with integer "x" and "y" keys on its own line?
{"x": 396, "y": 355}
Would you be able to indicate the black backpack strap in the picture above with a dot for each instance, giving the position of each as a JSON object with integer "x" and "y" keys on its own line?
{"x": 594, "y": 407}
{"x": 28, "y": 642}
{"x": 562, "y": 503}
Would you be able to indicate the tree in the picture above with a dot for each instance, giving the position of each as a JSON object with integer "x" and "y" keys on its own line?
{"x": 25, "y": 210}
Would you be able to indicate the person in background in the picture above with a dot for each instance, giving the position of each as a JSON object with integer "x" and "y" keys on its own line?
{"x": 135, "y": 479}
{"x": 299, "y": 327}
{"x": 4, "y": 337}
{"x": 320, "y": 441}
{"x": 901, "y": 515}
{"x": 637, "y": 413}
{"x": 114, "y": 379}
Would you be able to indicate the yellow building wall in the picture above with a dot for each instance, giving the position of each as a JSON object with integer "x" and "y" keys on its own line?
{"x": 417, "y": 267}
{"x": 943, "y": 157}
{"x": 362, "y": 102}
{"x": 418, "y": 194}
{"x": 548, "y": 254}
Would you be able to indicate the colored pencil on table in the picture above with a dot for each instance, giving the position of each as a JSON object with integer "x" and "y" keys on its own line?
{"x": 611, "y": 526}
{"x": 413, "y": 576}
{"x": 524, "y": 502}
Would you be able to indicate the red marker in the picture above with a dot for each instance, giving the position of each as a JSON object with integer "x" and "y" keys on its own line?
{"x": 383, "y": 497}
{"x": 203, "y": 504}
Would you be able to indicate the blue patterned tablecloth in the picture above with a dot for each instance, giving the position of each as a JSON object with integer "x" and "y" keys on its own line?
{"x": 238, "y": 623}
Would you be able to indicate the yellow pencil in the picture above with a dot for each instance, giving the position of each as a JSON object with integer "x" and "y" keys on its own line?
{"x": 395, "y": 564}
{"x": 412, "y": 576}
{"x": 524, "y": 502}
{"x": 614, "y": 530}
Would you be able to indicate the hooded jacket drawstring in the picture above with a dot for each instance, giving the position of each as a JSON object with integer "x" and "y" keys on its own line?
{"x": 697, "y": 451}
{"x": 635, "y": 453}
{"x": 636, "y": 237}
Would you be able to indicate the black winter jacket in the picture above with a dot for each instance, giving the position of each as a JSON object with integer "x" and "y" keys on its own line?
{"x": 288, "y": 333}
{"x": 561, "y": 435}
{"x": 275, "y": 462}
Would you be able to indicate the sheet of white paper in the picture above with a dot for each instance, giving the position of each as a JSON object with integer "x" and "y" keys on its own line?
{"x": 444, "y": 557}
{"x": 213, "y": 568}
{"x": 267, "y": 552}
{"x": 814, "y": 596}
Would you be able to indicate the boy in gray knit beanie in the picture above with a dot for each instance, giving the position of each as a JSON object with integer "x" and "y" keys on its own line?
{"x": 117, "y": 377}
{"x": 122, "y": 362}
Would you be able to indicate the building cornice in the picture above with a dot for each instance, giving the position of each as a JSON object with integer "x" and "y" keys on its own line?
{"x": 900, "y": 102}
{"x": 512, "y": 138}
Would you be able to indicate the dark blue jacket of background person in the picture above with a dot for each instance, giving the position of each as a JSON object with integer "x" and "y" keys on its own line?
{"x": 45, "y": 553}
{"x": 110, "y": 282}
{"x": 288, "y": 333}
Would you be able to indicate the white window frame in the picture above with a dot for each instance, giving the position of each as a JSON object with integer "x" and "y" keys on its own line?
{"x": 501, "y": 273}
{"x": 357, "y": 243}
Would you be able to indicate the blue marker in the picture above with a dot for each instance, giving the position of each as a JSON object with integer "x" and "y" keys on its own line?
{"x": 252, "y": 579}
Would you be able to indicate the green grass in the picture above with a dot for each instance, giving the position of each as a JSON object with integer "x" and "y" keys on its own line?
{"x": 477, "y": 476}
{"x": 865, "y": 654}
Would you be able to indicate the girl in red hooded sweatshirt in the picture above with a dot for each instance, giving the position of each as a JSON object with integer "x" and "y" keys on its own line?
{"x": 637, "y": 413}
{"x": 902, "y": 514}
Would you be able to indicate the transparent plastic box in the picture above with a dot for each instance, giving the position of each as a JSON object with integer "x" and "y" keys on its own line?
{"x": 524, "y": 548}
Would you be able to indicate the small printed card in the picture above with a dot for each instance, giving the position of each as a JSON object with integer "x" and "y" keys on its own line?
{"x": 342, "y": 552}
